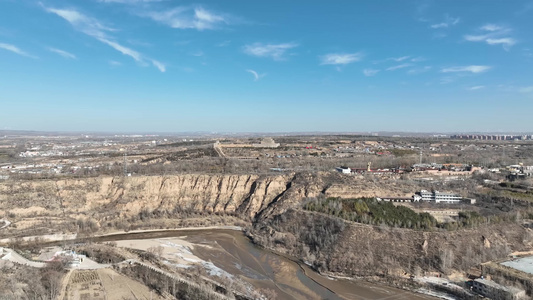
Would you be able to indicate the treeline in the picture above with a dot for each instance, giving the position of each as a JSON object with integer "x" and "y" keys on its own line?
{"x": 472, "y": 219}
{"x": 401, "y": 152}
{"x": 201, "y": 288}
{"x": 373, "y": 212}
{"x": 23, "y": 282}
{"x": 311, "y": 237}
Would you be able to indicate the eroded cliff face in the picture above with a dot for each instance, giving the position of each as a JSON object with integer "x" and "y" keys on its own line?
{"x": 248, "y": 196}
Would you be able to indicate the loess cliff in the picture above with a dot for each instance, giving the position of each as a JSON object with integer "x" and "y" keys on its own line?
{"x": 247, "y": 196}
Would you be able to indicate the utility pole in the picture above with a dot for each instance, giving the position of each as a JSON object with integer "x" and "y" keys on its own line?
{"x": 125, "y": 165}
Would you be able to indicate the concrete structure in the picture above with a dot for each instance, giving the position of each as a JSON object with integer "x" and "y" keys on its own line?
{"x": 266, "y": 143}
{"x": 488, "y": 137}
{"x": 520, "y": 170}
{"x": 395, "y": 199}
{"x": 74, "y": 259}
{"x": 491, "y": 289}
{"x": 524, "y": 264}
{"x": 437, "y": 197}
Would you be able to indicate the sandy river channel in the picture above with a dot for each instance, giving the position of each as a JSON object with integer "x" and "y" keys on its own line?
{"x": 232, "y": 252}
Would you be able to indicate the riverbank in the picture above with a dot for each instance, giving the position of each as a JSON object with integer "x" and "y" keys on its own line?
{"x": 226, "y": 251}
{"x": 74, "y": 236}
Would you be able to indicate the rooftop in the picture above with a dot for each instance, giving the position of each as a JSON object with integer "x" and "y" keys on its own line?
{"x": 495, "y": 285}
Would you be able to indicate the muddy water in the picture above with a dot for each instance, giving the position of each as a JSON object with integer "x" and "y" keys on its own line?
{"x": 231, "y": 251}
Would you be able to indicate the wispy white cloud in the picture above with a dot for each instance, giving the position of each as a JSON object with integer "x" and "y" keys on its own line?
{"x": 448, "y": 22}
{"x": 340, "y": 58}
{"x": 492, "y": 34}
{"x": 82, "y": 23}
{"x": 397, "y": 67}
{"x": 370, "y": 72}
{"x": 477, "y": 87}
{"x": 115, "y": 63}
{"x": 399, "y": 59}
{"x": 256, "y": 75}
{"x": 159, "y": 65}
{"x": 491, "y": 27}
{"x": 187, "y": 17}
{"x": 63, "y": 53}
{"x": 503, "y": 41}
{"x": 15, "y": 49}
{"x": 464, "y": 69}
{"x": 415, "y": 71}
{"x": 122, "y": 49}
{"x": 274, "y": 51}
{"x": 97, "y": 30}
{"x": 476, "y": 38}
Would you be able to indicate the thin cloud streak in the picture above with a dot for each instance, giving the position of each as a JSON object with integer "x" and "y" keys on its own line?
{"x": 340, "y": 58}
{"x": 399, "y": 59}
{"x": 274, "y": 51}
{"x": 100, "y": 32}
{"x": 256, "y": 75}
{"x": 63, "y": 53}
{"x": 418, "y": 59}
{"x": 16, "y": 50}
{"x": 184, "y": 17}
{"x": 393, "y": 68}
{"x": 472, "y": 69}
{"x": 448, "y": 22}
{"x": 122, "y": 49}
{"x": 115, "y": 63}
{"x": 502, "y": 41}
{"x": 477, "y": 87}
{"x": 419, "y": 70}
{"x": 370, "y": 72}
{"x": 159, "y": 65}
{"x": 491, "y": 27}
{"x": 492, "y": 34}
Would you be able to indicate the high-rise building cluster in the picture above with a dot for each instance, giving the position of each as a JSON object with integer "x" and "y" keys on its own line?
{"x": 491, "y": 137}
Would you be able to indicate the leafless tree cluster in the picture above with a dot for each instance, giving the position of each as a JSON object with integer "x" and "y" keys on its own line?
{"x": 22, "y": 282}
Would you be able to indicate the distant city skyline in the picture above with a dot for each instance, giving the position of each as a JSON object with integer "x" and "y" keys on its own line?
{"x": 249, "y": 66}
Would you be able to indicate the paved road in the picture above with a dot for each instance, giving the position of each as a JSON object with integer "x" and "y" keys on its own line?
{"x": 19, "y": 259}
{"x": 9, "y": 254}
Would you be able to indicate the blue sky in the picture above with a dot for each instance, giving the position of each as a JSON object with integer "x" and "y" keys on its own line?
{"x": 266, "y": 66}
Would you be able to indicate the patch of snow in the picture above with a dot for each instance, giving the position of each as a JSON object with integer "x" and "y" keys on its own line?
{"x": 214, "y": 270}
